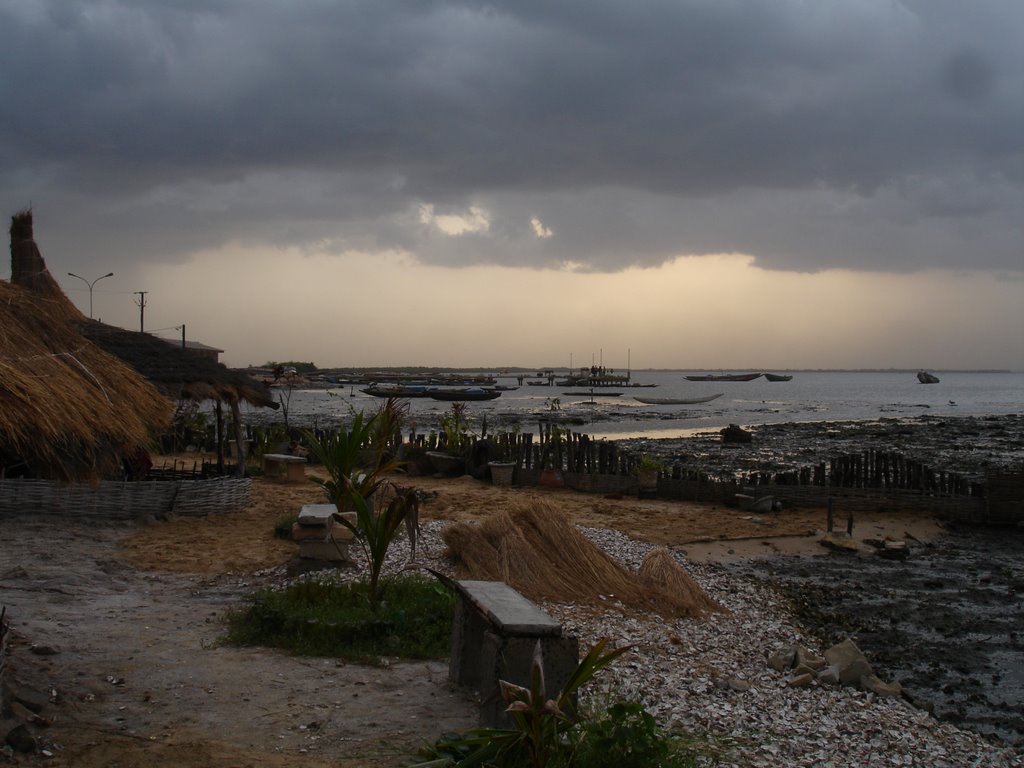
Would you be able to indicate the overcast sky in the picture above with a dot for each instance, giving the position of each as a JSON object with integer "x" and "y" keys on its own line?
{"x": 708, "y": 183}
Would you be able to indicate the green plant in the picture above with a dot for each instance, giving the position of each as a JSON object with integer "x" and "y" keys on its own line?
{"x": 340, "y": 455}
{"x": 350, "y": 488}
{"x": 542, "y": 731}
{"x": 283, "y": 526}
{"x": 455, "y": 425}
{"x": 374, "y": 531}
{"x": 386, "y": 435}
{"x": 317, "y": 618}
{"x": 626, "y": 736}
{"x": 648, "y": 463}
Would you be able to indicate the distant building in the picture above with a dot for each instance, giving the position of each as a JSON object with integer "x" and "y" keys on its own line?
{"x": 204, "y": 350}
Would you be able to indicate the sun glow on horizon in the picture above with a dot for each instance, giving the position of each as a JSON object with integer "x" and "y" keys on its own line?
{"x": 378, "y": 309}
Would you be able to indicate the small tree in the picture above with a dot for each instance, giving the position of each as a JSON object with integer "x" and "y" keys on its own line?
{"x": 351, "y": 486}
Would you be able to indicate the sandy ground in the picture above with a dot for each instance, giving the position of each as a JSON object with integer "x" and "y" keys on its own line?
{"x": 119, "y": 627}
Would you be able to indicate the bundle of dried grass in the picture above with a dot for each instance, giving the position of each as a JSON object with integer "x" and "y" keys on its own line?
{"x": 534, "y": 548}
{"x": 661, "y": 570}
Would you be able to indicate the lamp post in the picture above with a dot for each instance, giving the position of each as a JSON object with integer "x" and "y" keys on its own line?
{"x": 90, "y": 284}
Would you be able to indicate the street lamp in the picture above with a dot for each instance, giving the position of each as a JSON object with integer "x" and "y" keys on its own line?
{"x": 72, "y": 274}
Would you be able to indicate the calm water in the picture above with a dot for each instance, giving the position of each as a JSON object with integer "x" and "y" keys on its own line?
{"x": 810, "y": 396}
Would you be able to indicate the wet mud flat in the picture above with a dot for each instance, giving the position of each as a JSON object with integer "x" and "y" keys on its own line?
{"x": 947, "y": 623}
{"x": 970, "y": 446}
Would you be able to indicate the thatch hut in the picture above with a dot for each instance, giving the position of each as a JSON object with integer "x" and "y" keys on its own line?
{"x": 176, "y": 372}
{"x": 68, "y": 409}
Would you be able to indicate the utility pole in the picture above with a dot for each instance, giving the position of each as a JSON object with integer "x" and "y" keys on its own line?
{"x": 141, "y": 301}
{"x": 183, "y": 336}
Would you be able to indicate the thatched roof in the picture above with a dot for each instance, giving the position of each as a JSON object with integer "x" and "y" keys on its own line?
{"x": 177, "y": 372}
{"x": 67, "y": 408}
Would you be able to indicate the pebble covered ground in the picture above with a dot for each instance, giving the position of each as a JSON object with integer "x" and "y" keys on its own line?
{"x": 710, "y": 679}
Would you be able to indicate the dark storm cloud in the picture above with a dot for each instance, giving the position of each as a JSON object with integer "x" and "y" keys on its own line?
{"x": 851, "y": 134}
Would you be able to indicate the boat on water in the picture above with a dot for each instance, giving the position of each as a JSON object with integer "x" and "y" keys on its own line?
{"x": 465, "y": 393}
{"x": 724, "y": 377}
{"x": 778, "y": 377}
{"x": 397, "y": 390}
{"x": 677, "y": 400}
{"x": 927, "y": 378}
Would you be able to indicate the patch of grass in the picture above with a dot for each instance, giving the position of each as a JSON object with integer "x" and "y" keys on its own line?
{"x": 283, "y": 527}
{"x": 311, "y": 618}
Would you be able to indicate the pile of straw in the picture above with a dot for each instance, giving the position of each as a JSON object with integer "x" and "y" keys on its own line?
{"x": 534, "y": 548}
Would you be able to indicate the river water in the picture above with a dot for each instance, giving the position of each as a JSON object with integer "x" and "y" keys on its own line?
{"x": 811, "y": 396}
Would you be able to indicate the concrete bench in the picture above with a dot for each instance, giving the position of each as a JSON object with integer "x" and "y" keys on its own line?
{"x": 320, "y": 536}
{"x": 495, "y": 634}
{"x": 284, "y": 467}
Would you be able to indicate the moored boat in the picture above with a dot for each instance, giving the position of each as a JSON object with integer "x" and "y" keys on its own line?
{"x": 397, "y": 390}
{"x": 465, "y": 393}
{"x": 724, "y": 377}
{"x": 927, "y": 378}
{"x": 676, "y": 400}
{"x": 778, "y": 377}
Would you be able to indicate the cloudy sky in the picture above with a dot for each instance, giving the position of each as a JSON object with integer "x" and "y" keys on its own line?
{"x": 690, "y": 183}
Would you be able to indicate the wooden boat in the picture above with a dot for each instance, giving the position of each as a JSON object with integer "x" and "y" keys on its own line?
{"x": 724, "y": 377}
{"x": 778, "y": 377}
{"x": 467, "y": 393}
{"x": 592, "y": 393}
{"x": 397, "y": 390}
{"x": 677, "y": 400}
{"x": 927, "y": 378}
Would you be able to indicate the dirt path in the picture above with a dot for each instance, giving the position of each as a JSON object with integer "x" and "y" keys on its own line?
{"x": 140, "y": 679}
{"x": 122, "y": 624}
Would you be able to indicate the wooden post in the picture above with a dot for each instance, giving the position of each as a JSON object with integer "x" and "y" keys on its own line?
{"x": 830, "y": 512}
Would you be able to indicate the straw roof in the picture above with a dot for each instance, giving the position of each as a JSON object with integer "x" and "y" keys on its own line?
{"x": 533, "y": 547}
{"x": 67, "y": 408}
{"x": 177, "y": 372}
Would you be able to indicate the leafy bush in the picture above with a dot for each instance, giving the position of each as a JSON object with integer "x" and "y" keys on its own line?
{"x": 554, "y": 733}
{"x": 625, "y": 736}
{"x": 324, "y": 619}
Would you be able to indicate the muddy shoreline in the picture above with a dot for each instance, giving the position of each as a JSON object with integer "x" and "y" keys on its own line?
{"x": 947, "y": 623}
{"x": 970, "y": 446}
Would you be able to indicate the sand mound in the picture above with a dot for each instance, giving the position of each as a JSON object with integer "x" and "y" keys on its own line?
{"x": 535, "y": 549}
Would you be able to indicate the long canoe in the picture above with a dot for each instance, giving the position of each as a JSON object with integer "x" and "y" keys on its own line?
{"x": 470, "y": 393}
{"x": 676, "y": 400}
{"x": 724, "y": 377}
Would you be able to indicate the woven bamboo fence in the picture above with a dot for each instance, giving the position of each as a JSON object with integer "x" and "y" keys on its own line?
{"x": 124, "y": 500}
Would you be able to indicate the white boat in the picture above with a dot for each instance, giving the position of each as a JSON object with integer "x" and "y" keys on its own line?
{"x": 676, "y": 400}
